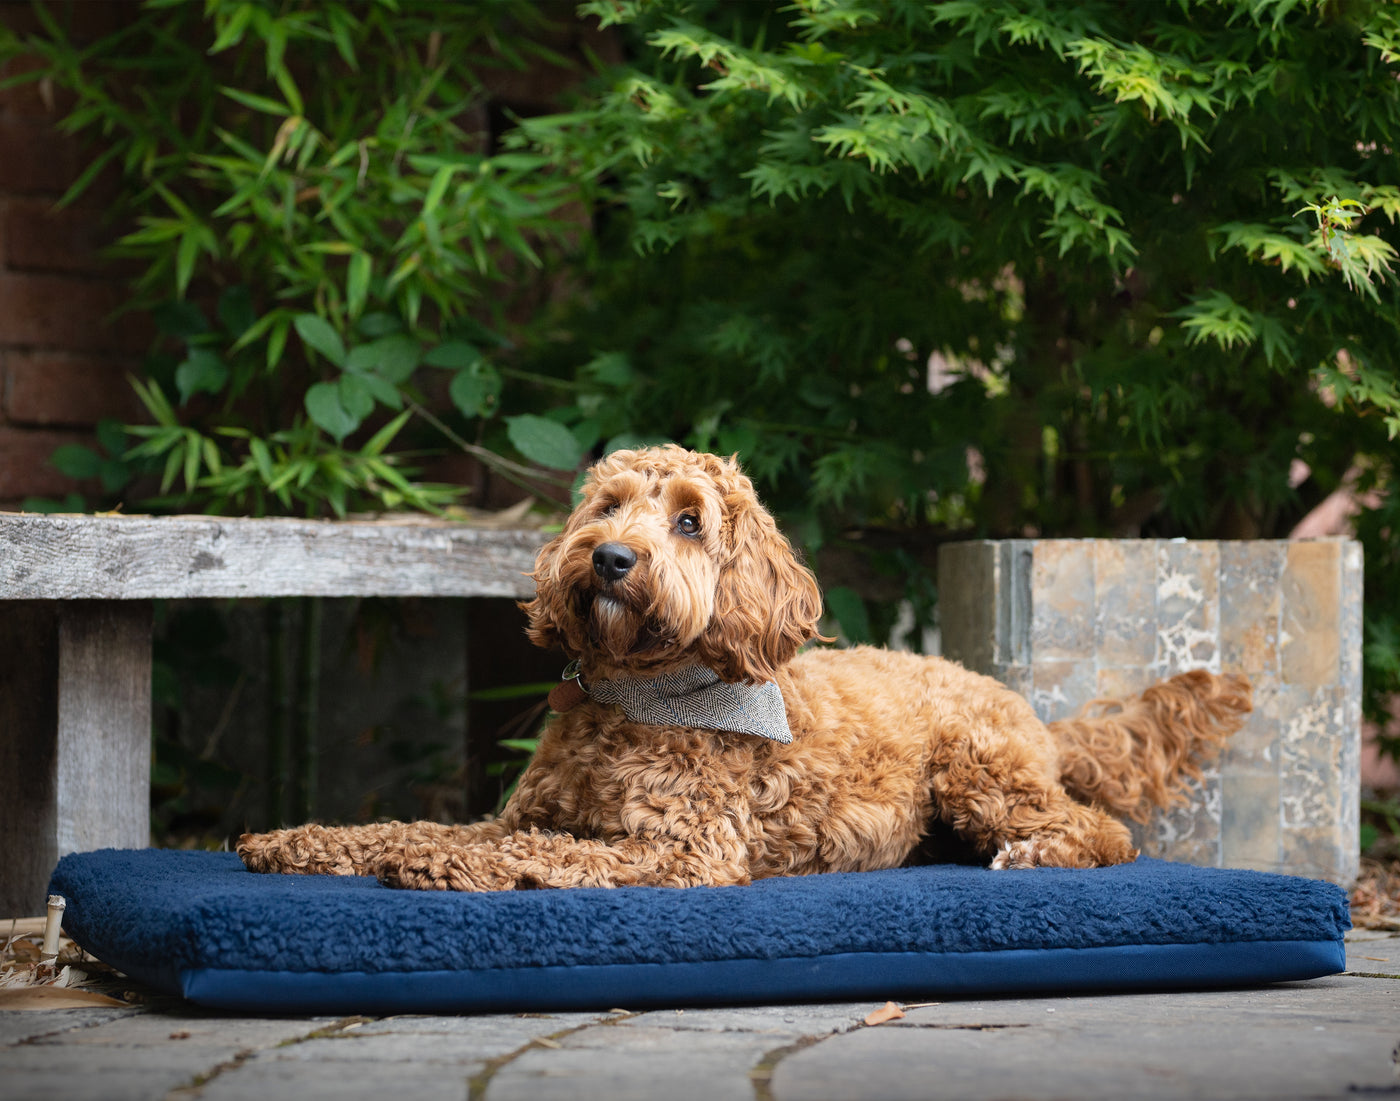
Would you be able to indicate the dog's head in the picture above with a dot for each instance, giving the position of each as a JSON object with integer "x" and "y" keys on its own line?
{"x": 669, "y": 560}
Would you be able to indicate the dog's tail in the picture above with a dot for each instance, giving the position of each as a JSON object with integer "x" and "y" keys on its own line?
{"x": 1131, "y": 755}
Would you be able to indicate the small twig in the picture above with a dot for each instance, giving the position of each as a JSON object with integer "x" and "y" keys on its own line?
{"x": 523, "y": 476}
{"x": 52, "y": 925}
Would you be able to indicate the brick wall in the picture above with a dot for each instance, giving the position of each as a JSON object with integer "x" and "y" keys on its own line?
{"x": 64, "y": 357}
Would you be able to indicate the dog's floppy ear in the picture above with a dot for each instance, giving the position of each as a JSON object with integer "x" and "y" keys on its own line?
{"x": 766, "y": 602}
{"x": 545, "y": 613}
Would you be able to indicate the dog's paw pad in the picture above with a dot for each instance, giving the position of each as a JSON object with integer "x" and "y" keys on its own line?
{"x": 1018, "y": 854}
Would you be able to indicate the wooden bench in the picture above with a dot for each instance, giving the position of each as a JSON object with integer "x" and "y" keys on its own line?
{"x": 76, "y": 598}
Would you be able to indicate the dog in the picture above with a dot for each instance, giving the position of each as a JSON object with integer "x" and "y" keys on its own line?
{"x": 693, "y": 744}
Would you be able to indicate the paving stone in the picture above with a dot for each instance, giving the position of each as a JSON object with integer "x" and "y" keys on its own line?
{"x": 504, "y": 1027}
{"x": 192, "y": 1030}
{"x": 1374, "y": 956}
{"x": 263, "y": 1078}
{"x": 30, "y": 1025}
{"x": 1327, "y": 1038}
{"x": 800, "y": 1019}
{"x": 447, "y": 1040}
{"x": 1300, "y": 1041}
{"x": 80, "y": 1084}
{"x": 641, "y": 1063}
{"x": 140, "y": 1055}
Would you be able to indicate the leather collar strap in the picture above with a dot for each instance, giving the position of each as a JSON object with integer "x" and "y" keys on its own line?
{"x": 691, "y": 697}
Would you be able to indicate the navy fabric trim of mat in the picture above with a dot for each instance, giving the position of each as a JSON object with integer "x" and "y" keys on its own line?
{"x": 842, "y": 977}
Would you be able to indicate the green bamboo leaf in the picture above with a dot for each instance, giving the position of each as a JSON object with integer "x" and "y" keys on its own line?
{"x": 186, "y": 256}
{"x": 173, "y": 462}
{"x": 384, "y": 391}
{"x": 455, "y": 354}
{"x": 232, "y": 32}
{"x": 356, "y": 397}
{"x": 381, "y": 439}
{"x": 442, "y": 178}
{"x": 316, "y": 332}
{"x": 474, "y": 389}
{"x": 277, "y": 341}
{"x": 262, "y": 458}
{"x": 193, "y": 448}
{"x": 544, "y": 441}
{"x": 357, "y": 283}
{"x": 324, "y": 407}
{"x": 203, "y": 371}
{"x": 75, "y": 461}
{"x": 153, "y": 398}
{"x": 392, "y": 357}
{"x": 256, "y": 102}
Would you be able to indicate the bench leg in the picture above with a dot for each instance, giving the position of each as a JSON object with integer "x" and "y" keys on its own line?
{"x": 75, "y": 737}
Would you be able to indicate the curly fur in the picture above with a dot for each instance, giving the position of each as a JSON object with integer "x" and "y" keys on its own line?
{"x": 885, "y": 745}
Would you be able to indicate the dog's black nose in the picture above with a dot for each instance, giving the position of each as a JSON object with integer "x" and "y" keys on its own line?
{"x": 611, "y": 561}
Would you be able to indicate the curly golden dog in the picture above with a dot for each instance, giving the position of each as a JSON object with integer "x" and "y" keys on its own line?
{"x": 693, "y": 744}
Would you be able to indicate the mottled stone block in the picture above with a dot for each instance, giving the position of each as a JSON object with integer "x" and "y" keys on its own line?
{"x": 1319, "y": 852}
{"x": 1061, "y": 688}
{"x": 1255, "y": 748}
{"x": 1062, "y": 600}
{"x": 1118, "y": 681}
{"x": 1310, "y": 620}
{"x": 1018, "y": 678}
{"x": 1249, "y": 605}
{"x": 1074, "y": 620}
{"x": 1188, "y": 606}
{"x": 1310, "y": 750}
{"x": 967, "y": 618}
{"x": 1190, "y": 829}
{"x": 1125, "y": 602}
{"x": 1250, "y": 831}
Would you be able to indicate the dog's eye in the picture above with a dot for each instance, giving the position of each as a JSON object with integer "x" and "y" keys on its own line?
{"x": 688, "y": 524}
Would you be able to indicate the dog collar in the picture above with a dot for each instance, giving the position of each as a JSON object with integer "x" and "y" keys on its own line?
{"x": 689, "y": 697}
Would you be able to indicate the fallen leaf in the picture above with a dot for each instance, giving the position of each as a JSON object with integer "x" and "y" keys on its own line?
{"x": 52, "y": 997}
{"x": 887, "y": 1012}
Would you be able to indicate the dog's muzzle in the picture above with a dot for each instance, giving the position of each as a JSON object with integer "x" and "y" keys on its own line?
{"x": 613, "y": 561}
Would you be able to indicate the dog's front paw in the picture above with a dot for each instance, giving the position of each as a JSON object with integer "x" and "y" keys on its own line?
{"x": 258, "y": 852}
{"x": 1051, "y": 850}
{"x": 305, "y": 850}
{"x": 438, "y": 871}
{"x": 1017, "y": 854}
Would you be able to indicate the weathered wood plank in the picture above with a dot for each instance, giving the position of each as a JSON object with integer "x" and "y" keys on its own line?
{"x": 142, "y": 557}
{"x": 28, "y": 716}
{"x": 103, "y": 765}
{"x": 75, "y": 737}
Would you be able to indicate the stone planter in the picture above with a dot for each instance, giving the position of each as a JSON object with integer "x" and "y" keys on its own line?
{"x": 1066, "y": 620}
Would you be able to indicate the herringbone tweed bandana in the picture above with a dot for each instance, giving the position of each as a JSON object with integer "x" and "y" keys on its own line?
{"x": 697, "y": 697}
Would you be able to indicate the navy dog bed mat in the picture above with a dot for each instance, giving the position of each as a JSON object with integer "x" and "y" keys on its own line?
{"x": 199, "y": 925}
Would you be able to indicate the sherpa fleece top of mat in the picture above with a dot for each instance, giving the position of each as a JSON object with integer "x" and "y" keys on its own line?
{"x": 164, "y": 916}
